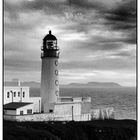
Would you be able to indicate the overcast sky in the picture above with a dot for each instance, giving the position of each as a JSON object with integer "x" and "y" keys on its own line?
{"x": 97, "y": 39}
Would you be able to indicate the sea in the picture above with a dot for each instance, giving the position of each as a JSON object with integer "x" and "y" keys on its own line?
{"x": 123, "y": 100}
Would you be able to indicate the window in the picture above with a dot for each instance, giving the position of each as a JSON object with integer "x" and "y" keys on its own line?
{"x": 51, "y": 111}
{"x": 56, "y": 72}
{"x": 14, "y": 94}
{"x": 56, "y": 82}
{"x": 57, "y": 93}
{"x": 8, "y": 94}
{"x": 21, "y": 112}
{"x": 29, "y": 111}
{"x": 56, "y": 62}
{"x": 23, "y": 94}
{"x": 18, "y": 94}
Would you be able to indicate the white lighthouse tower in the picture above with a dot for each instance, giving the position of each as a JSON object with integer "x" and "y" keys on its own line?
{"x": 49, "y": 73}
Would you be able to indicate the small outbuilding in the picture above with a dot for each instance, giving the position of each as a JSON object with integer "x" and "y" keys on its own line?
{"x": 18, "y": 108}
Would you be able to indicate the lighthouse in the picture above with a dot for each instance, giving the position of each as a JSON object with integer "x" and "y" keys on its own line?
{"x": 49, "y": 73}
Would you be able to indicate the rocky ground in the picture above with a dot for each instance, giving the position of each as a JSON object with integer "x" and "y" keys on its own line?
{"x": 91, "y": 130}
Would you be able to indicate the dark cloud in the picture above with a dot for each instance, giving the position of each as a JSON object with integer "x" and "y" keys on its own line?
{"x": 108, "y": 46}
{"x": 21, "y": 65}
{"x": 47, "y": 6}
{"x": 86, "y": 4}
{"x": 19, "y": 26}
{"x": 123, "y": 54}
{"x": 85, "y": 27}
{"x": 126, "y": 12}
{"x": 10, "y": 11}
{"x": 132, "y": 37}
{"x": 128, "y": 38}
{"x": 123, "y": 18}
{"x": 101, "y": 64}
{"x": 99, "y": 44}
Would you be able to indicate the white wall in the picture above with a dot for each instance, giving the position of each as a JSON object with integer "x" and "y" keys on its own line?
{"x": 16, "y": 98}
{"x": 47, "y": 117}
{"x": 24, "y": 109}
{"x": 66, "y": 108}
{"x": 35, "y": 100}
{"x": 85, "y": 107}
{"x": 48, "y": 85}
{"x": 17, "y": 111}
{"x": 36, "y": 103}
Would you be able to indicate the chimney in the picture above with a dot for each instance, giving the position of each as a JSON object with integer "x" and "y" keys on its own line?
{"x": 19, "y": 83}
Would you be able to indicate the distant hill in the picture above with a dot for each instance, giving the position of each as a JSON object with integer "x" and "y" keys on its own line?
{"x": 89, "y": 84}
{"x": 32, "y": 84}
{"x": 94, "y": 84}
{"x": 28, "y": 84}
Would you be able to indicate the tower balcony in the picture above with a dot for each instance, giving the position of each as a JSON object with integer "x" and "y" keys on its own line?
{"x": 50, "y": 54}
{"x": 49, "y": 48}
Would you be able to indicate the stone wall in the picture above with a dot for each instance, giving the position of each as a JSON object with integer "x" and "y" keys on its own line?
{"x": 97, "y": 114}
{"x": 47, "y": 117}
{"x": 9, "y": 117}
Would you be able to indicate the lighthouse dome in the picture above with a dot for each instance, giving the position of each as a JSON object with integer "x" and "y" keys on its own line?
{"x": 50, "y": 36}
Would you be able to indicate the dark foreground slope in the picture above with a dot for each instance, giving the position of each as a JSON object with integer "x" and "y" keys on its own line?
{"x": 93, "y": 130}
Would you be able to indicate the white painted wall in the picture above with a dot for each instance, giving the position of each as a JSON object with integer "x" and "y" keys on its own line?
{"x": 85, "y": 107}
{"x": 47, "y": 117}
{"x": 48, "y": 85}
{"x": 36, "y": 103}
{"x": 24, "y": 109}
{"x": 60, "y": 117}
{"x": 17, "y": 111}
{"x": 35, "y": 100}
{"x": 66, "y": 108}
{"x": 16, "y": 98}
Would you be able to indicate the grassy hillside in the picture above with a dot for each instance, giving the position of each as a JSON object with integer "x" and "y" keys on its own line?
{"x": 92, "y": 130}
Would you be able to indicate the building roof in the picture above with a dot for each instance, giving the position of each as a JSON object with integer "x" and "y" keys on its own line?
{"x": 15, "y": 105}
{"x": 50, "y": 36}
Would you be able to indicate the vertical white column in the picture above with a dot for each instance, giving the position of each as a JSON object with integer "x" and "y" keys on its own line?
{"x": 49, "y": 83}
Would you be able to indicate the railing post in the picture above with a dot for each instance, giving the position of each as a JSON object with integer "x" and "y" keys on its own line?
{"x": 72, "y": 114}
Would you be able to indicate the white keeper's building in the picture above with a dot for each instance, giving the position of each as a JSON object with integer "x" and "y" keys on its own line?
{"x": 19, "y": 106}
{"x": 19, "y": 97}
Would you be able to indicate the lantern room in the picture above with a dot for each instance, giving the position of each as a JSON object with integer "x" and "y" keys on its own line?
{"x": 50, "y": 41}
{"x": 50, "y": 48}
